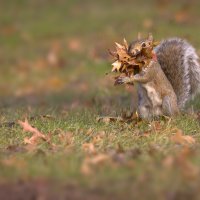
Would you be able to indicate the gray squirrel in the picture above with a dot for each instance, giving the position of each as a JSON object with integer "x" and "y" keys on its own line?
{"x": 169, "y": 82}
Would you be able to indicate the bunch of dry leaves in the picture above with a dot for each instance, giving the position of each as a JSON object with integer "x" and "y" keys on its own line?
{"x": 131, "y": 58}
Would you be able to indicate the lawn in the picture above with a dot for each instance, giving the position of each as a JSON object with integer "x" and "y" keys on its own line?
{"x": 54, "y": 59}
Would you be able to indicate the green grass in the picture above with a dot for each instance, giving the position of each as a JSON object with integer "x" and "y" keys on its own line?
{"x": 75, "y": 91}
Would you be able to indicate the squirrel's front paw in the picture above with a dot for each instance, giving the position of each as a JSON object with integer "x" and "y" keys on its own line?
{"x": 122, "y": 80}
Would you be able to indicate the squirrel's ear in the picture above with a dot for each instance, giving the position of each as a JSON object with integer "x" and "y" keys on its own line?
{"x": 125, "y": 43}
{"x": 150, "y": 37}
{"x": 139, "y": 36}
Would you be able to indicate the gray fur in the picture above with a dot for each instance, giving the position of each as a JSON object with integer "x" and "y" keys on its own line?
{"x": 179, "y": 62}
{"x": 166, "y": 106}
{"x": 156, "y": 96}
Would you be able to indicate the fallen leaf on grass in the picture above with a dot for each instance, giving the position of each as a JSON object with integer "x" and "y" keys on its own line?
{"x": 98, "y": 159}
{"x": 66, "y": 138}
{"x": 23, "y": 91}
{"x": 189, "y": 170}
{"x": 39, "y": 64}
{"x": 52, "y": 58}
{"x": 184, "y": 160}
{"x": 179, "y": 138}
{"x": 156, "y": 125}
{"x": 144, "y": 134}
{"x": 98, "y": 138}
{"x": 168, "y": 161}
{"x": 14, "y": 162}
{"x": 182, "y": 16}
{"x": 89, "y": 148}
{"x": 75, "y": 44}
{"x": 126, "y": 117}
{"x": 7, "y": 30}
{"x": 37, "y": 135}
{"x": 15, "y": 148}
{"x": 107, "y": 120}
{"x": 89, "y": 164}
{"x": 89, "y": 131}
{"x": 86, "y": 168}
{"x": 47, "y": 117}
{"x": 54, "y": 83}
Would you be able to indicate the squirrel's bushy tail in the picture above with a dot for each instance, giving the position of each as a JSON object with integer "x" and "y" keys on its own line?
{"x": 180, "y": 64}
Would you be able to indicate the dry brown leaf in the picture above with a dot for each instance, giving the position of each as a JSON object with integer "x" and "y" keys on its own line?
{"x": 37, "y": 135}
{"x": 89, "y": 164}
{"x": 89, "y": 131}
{"x": 189, "y": 169}
{"x": 86, "y": 168}
{"x": 14, "y": 162}
{"x": 66, "y": 138}
{"x": 33, "y": 140}
{"x": 125, "y": 43}
{"x": 99, "y": 159}
{"x": 23, "y": 91}
{"x": 74, "y": 44}
{"x": 39, "y": 64}
{"x": 8, "y": 30}
{"x": 102, "y": 134}
{"x": 168, "y": 161}
{"x": 116, "y": 66}
{"x": 181, "y": 16}
{"x": 27, "y": 127}
{"x": 97, "y": 139}
{"x": 52, "y": 58}
{"x": 89, "y": 148}
{"x": 54, "y": 83}
{"x": 179, "y": 138}
{"x": 156, "y": 125}
{"x": 108, "y": 119}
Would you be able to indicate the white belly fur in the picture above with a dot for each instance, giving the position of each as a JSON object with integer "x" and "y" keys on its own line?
{"x": 154, "y": 96}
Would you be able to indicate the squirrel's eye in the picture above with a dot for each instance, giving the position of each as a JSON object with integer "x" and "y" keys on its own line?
{"x": 143, "y": 44}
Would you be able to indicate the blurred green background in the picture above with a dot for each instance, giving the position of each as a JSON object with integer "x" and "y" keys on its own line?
{"x": 48, "y": 47}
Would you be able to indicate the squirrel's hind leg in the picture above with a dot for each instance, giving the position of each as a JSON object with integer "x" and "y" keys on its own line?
{"x": 169, "y": 108}
{"x": 144, "y": 105}
{"x": 144, "y": 112}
